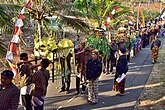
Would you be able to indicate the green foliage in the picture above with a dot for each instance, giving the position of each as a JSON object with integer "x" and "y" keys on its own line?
{"x": 100, "y": 43}
{"x": 121, "y": 16}
{"x": 48, "y": 42}
{"x": 155, "y": 14}
{"x": 147, "y": 14}
{"x": 45, "y": 47}
{"x": 3, "y": 49}
{"x": 8, "y": 12}
{"x": 100, "y": 10}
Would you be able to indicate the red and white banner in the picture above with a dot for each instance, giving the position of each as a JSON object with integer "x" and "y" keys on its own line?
{"x": 12, "y": 48}
{"x": 110, "y": 17}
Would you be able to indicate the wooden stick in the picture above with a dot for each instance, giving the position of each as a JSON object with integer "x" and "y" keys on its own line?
{"x": 35, "y": 66}
{"x": 29, "y": 61}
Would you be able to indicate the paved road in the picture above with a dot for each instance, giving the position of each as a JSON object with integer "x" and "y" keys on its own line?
{"x": 140, "y": 68}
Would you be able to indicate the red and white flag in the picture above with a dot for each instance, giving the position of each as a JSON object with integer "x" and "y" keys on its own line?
{"x": 28, "y": 4}
{"x": 15, "y": 39}
{"x": 21, "y": 16}
{"x": 12, "y": 48}
{"x": 18, "y": 31}
{"x": 110, "y": 17}
{"x": 19, "y": 23}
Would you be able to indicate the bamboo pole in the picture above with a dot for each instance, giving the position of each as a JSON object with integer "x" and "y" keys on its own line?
{"x": 39, "y": 31}
{"x": 53, "y": 68}
{"x": 138, "y": 16}
{"x": 160, "y": 6}
{"x": 149, "y": 8}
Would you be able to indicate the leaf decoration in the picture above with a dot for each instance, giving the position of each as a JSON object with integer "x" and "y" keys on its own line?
{"x": 100, "y": 43}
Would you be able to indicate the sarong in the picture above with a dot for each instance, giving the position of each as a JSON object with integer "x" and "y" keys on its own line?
{"x": 93, "y": 90}
{"x": 119, "y": 86}
{"x": 154, "y": 53}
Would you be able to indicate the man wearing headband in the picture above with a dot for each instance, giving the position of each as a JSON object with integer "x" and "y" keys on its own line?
{"x": 93, "y": 72}
{"x": 9, "y": 93}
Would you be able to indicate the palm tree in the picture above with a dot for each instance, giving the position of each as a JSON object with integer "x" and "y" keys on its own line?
{"x": 7, "y": 19}
{"x": 77, "y": 14}
{"x": 98, "y": 11}
{"x": 8, "y": 13}
{"x": 39, "y": 12}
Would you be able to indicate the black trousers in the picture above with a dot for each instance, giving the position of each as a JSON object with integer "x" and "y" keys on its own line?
{"x": 78, "y": 85}
{"x": 128, "y": 57}
{"x": 112, "y": 62}
{"x": 66, "y": 82}
{"x": 26, "y": 101}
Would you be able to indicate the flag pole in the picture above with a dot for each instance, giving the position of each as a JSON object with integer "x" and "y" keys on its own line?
{"x": 160, "y": 6}
{"x": 137, "y": 25}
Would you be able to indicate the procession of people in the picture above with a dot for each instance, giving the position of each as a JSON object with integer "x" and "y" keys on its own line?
{"x": 90, "y": 62}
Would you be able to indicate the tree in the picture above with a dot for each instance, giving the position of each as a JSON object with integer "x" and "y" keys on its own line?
{"x": 8, "y": 14}
{"x": 7, "y": 19}
{"x": 39, "y": 12}
{"x": 98, "y": 11}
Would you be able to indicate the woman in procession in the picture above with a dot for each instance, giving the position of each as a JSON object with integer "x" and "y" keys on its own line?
{"x": 121, "y": 69}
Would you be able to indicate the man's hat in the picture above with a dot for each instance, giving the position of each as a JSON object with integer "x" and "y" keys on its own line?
{"x": 8, "y": 73}
{"x": 91, "y": 45}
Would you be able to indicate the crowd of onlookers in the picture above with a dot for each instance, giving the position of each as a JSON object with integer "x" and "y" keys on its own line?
{"x": 90, "y": 63}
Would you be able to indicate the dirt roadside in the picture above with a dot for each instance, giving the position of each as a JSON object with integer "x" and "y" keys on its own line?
{"x": 153, "y": 95}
